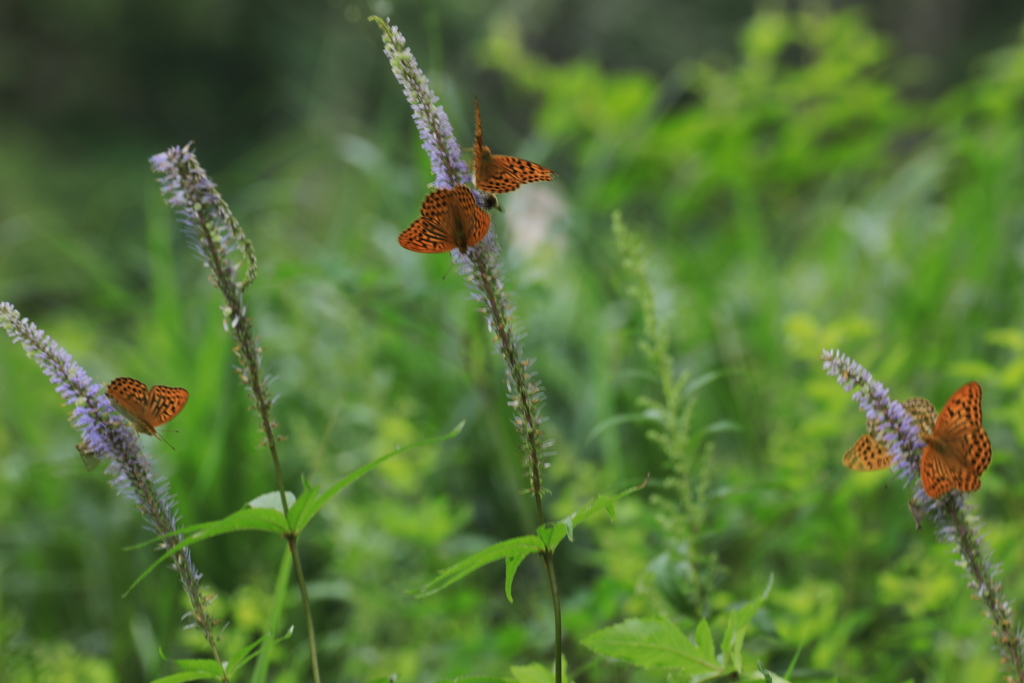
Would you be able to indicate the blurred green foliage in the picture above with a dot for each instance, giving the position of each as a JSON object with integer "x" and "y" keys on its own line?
{"x": 790, "y": 199}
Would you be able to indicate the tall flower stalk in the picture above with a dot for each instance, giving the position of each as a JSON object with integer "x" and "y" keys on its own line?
{"x": 107, "y": 436}
{"x": 682, "y": 508}
{"x": 951, "y": 513}
{"x": 480, "y": 267}
{"x": 224, "y": 249}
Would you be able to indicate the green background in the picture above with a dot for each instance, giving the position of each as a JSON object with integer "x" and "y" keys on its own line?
{"x": 802, "y": 180}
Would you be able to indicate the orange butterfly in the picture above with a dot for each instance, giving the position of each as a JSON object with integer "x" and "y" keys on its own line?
{"x": 500, "y": 173}
{"x": 448, "y": 219}
{"x": 868, "y": 454}
{"x": 146, "y": 409}
{"x": 958, "y": 450}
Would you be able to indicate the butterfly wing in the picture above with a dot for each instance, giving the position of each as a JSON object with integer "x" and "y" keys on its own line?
{"x": 959, "y": 450}
{"x": 936, "y": 477}
{"x": 130, "y": 397}
{"x": 979, "y": 451}
{"x": 164, "y": 404}
{"x": 964, "y": 428}
{"x": 505, "y": 173}
{"x": 432, "y": 232}
{"x": 923, "y": 413}
{"x": 448, "y": 219}
{"x": 499, "y": 173}
{"x": 508, "y": 173}
{"x": 479, "y": 151}
{"x": 473, "y": 221}
{"x": 961, "y": 428}
{"x": 867, "y": 455}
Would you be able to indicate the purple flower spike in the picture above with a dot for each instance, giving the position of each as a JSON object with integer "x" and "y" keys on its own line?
{"x": 897, "y": 428}
{"x": 109, "y": 437}
{"x": 431, "y": 120}
{"x": 954, "y": 522}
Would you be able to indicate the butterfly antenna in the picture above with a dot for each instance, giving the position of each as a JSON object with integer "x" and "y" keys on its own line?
{"x": 157, "y": 435}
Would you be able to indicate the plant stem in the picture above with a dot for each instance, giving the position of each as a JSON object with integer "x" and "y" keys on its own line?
{"x": 293, "y": 545}
{"x": 549, "y": 563}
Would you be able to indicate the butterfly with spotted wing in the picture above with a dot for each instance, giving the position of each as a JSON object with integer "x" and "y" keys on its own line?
{"x": 448, "y": 219}
{"x": 499, "y": 173}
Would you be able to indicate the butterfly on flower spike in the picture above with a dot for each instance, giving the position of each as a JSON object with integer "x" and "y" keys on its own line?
{"x": 498, "y": 173}
{"x": 868, "y": 454}
{"x": 448, "y": 219}
{"x": 146, "y": 408}
{"x": 958, "y": 450}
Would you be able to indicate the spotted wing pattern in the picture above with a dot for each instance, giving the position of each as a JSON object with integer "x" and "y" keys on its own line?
{"x": 448, "y": 219}
{"x": 500, "y": 173}
{"x": 869, "y": 455}
{"x": 958, "y": 450}
{"x": 147, "y": 409}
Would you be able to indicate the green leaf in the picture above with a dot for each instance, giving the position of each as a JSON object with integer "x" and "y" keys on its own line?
{"x": 249, "y": 519}
{"x": 309, "y": 511}
{"x": 271, "y": 520}
{"x": 249, "y": 652}
{"x": 512, "y": 563}
{"x": 614, "y": 421}
{"x": 705, "y": 641}
{"x": 719, "y": 427}
{"x": 759, "y": 677}
{"x": 204, "y": 665}
{"x": 653, "y": 644}
{"x": 186, "y": 676}
{"x": 736, "y": 628}
{"x": 566, "y": 526}
{"x": 194, "y": 670}
{"x": 272, "y": 501}
{"x": 697, "y": 383}
{"x": 284, "y": 573}
{"x": 532, "y": 673}
{"x": 297, "y": 511}
{"x": 523, "y": 545}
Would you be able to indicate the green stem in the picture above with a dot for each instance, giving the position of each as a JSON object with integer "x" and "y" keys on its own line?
{"x": 293, "y": 545}
{"x": 549, "y": 562}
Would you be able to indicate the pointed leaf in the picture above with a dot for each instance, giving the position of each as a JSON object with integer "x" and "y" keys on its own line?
{"x": 512, "y": 563}
{"x": 186, "y": 677}
{"x": 705, "y": 642}
{"x": 698, "y": 383}
{"x": 564, "y": 527}
{"x": 719, "y": 427}
{"x": 272, "y": 501}
{"x": 499, "y": 551}
{"x": 272, "y": 625}
{"x": 736, "y": 627}
{"x": 250, "y": 653}
{"x": 652, "y": 644}
{"x": 314, "y": 507}
{"x": 249, "y": 519}
{"x": 532, "y": 673}
{"x": 205, "y": 665}
{"x": 614, "y": 421}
